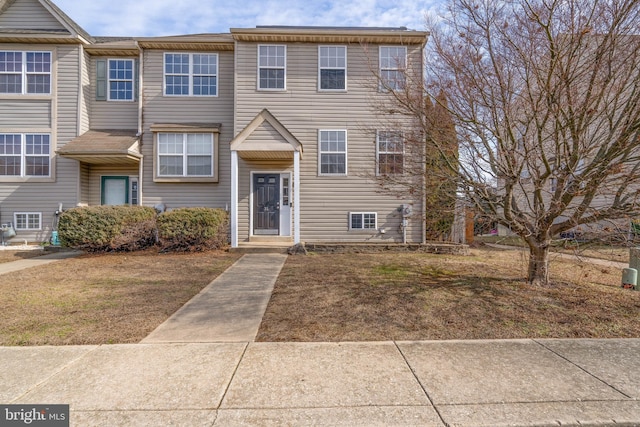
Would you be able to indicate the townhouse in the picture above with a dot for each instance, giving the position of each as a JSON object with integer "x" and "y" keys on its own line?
{"x": 274, "y": 124}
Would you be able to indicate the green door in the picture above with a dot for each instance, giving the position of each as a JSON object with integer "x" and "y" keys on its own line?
{"x": 115, "y": 190}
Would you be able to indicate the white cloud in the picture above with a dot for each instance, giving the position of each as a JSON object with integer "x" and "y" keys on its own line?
{"x": 165, "y": 17}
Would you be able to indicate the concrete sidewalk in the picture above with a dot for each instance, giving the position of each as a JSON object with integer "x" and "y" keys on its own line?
{"x": 428, "y": 383}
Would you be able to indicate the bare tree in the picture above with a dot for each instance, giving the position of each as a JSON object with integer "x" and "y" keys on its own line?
{"x": 545, "y": 96}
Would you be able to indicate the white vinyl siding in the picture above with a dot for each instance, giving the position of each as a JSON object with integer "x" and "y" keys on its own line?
{"x": 332, "y": 68}
{"x": 363, "y": 220}
{"x": 25, "y": 72}
{"x": 272, "y": 67}
{"x": 191, "y": 74}
{"x": 23, "y": 155}
{"x": 333, "y": 152}
{"x": 393, "y": 64}
{"x": 27, "y": 220}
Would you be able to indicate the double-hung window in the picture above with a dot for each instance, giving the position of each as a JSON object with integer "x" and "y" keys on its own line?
{"x": 272, "y": 67}
{"x": 25, "y": 155}
{"x": 25, "y": 72}
{"x": 393, "y": 60}
{"x": 191, "y": 74}
{"x": 333, "y": 152}
{"x": 332, "y": 64}
{"x": 121, "y": 80}
{"x": 185, "y": 155}
{"x": 390, "y": 153}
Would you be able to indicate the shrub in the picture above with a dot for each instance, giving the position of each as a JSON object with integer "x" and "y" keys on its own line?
{"x": 193, "y": 229}
{"x": 108, "y": 228}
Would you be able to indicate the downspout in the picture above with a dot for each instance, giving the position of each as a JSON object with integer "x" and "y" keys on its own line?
{"x": 140, "y": 118}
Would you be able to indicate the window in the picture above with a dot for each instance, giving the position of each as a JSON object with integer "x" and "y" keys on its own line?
{"x": 23, "y": 155}
{"x": 390, "y": 153}
{"x": 25, "y": 72}
{"x": 393, "y": 61}
{"x": 121, "y": 80}
{"x": 332, "y": 63}
{"x": 27, "y": 220}
{"x": 363, "y": 220}
{"x": 185, "y": 154}
{"x": 191, "y": 74}
{"x": 333, "y": 152}
{"x": 272, "y": 65}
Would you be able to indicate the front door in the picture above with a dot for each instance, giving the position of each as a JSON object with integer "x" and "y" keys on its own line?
{"x": 115, "y": 190}
{"x": 266, "y": 204}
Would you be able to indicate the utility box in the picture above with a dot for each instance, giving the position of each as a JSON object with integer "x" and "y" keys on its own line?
{"x": 630, "y": 278}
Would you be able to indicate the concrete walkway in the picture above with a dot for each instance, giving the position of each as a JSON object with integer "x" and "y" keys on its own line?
{"x": 229, "y": 309}
{"x": 426, "y": 383}
{"x": 9, "y": 267}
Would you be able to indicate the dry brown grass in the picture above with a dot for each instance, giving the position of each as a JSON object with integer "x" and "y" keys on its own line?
{"x": 412, "y": 296}
{"x": 97, "y": 299}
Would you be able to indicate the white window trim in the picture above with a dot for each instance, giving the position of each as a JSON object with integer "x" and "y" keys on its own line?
{"x": 378, "y": 152}
{"x": 383, "y": 85}
{"x": 346, "y": 151}
{"x": 24, "y": 155}
{"x": 24, "y": 73}
{"x": 320, "y": 68}
{"x": 185, "y": 156}
{"x": 15, "y": 221}
{"x": 278, "y": 68}
{"x": 133, "y": 77}
{"x": 362, "y": 214}
{"x": 191, "y": 74}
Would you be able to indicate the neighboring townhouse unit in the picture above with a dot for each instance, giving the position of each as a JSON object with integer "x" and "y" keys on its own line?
{"x": 274, "y": 124}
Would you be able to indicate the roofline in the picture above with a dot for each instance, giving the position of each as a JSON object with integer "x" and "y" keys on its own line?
{"x": 330, "y": 34}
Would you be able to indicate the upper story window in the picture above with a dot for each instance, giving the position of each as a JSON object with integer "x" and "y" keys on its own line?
{"x": 185, "y": 155}
{"x": 191, "y": 74}
{"x": 390, "y": 153}
{"x": 25, "y": 72}
{"x": 272, "y": 67}
{"x": 393, "y": 63}
{"x": 121, "y": 80}
{"x": 332, "y": 64}
{"x": 25, "y": 155}
{"x": 333, "y": 152}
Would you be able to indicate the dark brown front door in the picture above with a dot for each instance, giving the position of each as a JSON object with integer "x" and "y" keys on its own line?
{"x": 266, "y": 204}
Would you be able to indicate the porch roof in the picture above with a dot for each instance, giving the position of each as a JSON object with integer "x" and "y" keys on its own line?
{"x": 278, "y": 146}
{"x": 105, "y": 146}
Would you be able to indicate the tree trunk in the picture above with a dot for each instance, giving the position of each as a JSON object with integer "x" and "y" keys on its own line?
{"x": 539, "y": 264}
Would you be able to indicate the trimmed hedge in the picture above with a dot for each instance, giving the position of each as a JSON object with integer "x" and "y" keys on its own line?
{"x": 130, "y": 228}
{"x": 193, "y": 229}
{"x": 108, "y": 228}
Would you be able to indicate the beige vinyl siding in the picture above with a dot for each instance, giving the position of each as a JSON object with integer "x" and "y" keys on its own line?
{"x": 325, "y": 201}
{"x": 188, "y": 109}
{"x": 27, "y": 113}
{"x": 83, "y": 183}
{"x": 85, "y": 94}
{"x": 29, "y": 14}
{"x": 95, "y": 179}
{"x": 110, "y": 114}
{"x": 44, "y": 197}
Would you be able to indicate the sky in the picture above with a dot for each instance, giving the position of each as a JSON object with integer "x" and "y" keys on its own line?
{"x": 171, "y": 17}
